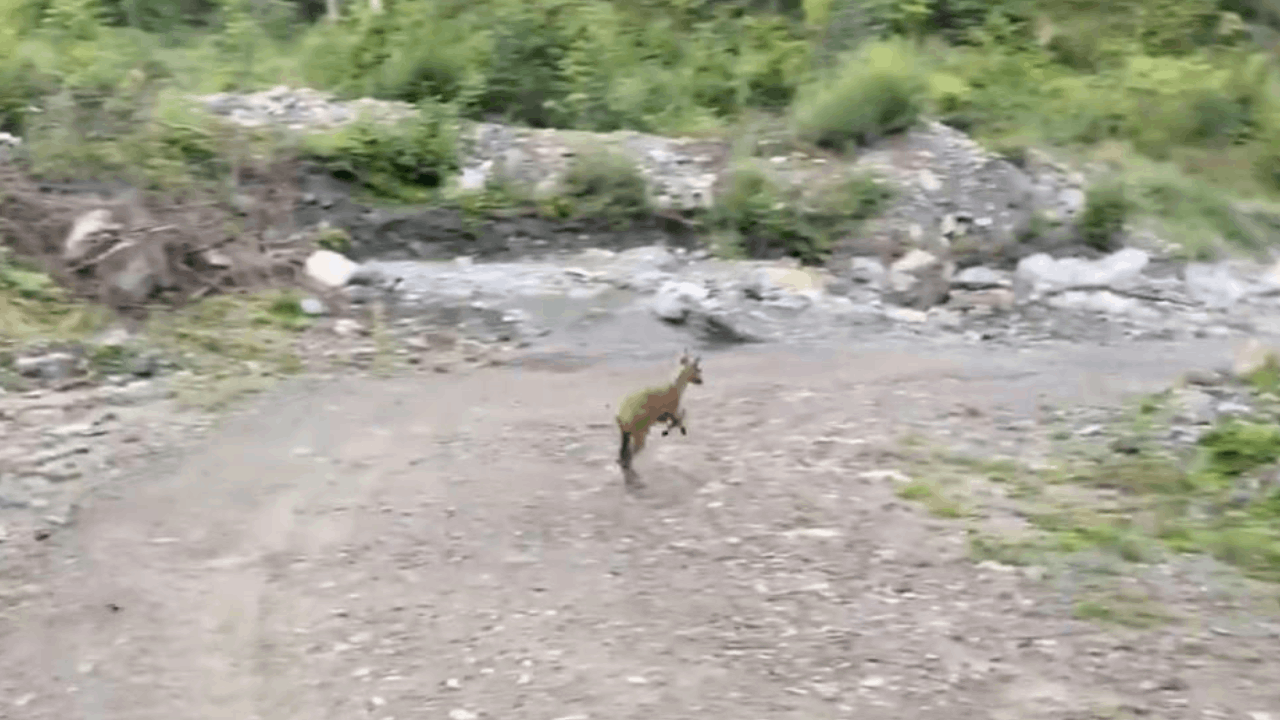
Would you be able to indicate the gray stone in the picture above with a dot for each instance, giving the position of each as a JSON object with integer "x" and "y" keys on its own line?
{"x": 906, "y": 315}
{"x": 1039, "y": 274}
{"x": 312, "y": 306}
{"x": 53, "y": 366}
{"x": 1104, "y": 302}
{"x": 981, "y": 278}
{"x": 991, "y": 299}
{"x": 1072, "y": 200}
{"x": 867, "y": 270}
{"x": 1193, "y": 406}
{"x": 368, "y": 276}
{"x": 918, "y": 280}
{"x": 929, "y": 182}
{"x": 839, "y": 287}
{"x": 1230, "y": 408}
{"x": 1213, "y": 285}
{"x": 675, "y": 300}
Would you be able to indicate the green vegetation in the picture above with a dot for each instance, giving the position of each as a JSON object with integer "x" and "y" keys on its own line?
{"x": 1135, "y": 501}
{"x": 231, "y": 345}
{"x": 1176, "y": 95}
{"x": 604, "y": 184}
{"x": 401, "y": 161}
{"x": 1105, "y": 210}
{"x": 935, "y": 498}
{"x": 876, "y": 92}
{"x": 1120, "y": 608}
{"x": 33, "y": 306}
{"x": 761, "y": 217}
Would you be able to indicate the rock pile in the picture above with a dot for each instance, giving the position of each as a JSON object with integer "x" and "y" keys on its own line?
{"x": 951, "y": 192}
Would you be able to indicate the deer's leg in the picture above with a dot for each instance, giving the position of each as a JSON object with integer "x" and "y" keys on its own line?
{"x": 670, "y": 419}
{"x": 624, "y": 452}
{"x": 637, "y": 441}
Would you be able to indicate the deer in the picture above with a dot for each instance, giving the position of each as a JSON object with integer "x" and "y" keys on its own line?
{"x": 643, "y": 409}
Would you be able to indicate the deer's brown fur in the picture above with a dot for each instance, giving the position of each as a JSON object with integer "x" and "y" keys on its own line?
{"x": 640, "y": 410}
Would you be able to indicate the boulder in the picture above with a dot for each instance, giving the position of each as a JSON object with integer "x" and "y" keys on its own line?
{"x": 981, "y": 278}
{"x": 918, "y": 280}
{"x": 1213, "y": 284}
{"x": 87, "y": 232}
{"x": 330, "y": 269}
{"x": 675, "y": 300}
{"x": 1040, "y": 274}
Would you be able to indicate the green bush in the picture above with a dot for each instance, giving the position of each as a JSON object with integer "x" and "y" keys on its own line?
{"x": 400, "y": 161}
{"x": 1105, "y": 210}
{"x": 1192, "y": 213}
{"x": 762, "y": 218}
{"x": 166, "y": 144}
{"x": 608, "y": 185}
{"x": 875, "y": 92}
{"x": 555, "y": 63}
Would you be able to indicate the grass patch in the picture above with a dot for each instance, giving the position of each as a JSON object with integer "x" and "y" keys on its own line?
{"x": 231, "y": 345}
{"x": 163, "y": 143}
{"x": 1199, "y": 215}
{"x": 1003, "y": 551}
{"x": 1124, "y": 609}
{"x": 1134, "y": 501}
{"x": 34, "y": 307}
{"x": 1217, "y": 499}
{"x": 933, "y": 498}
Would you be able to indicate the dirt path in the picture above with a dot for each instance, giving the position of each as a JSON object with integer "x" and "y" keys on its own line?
{"x": 460, "y": 547}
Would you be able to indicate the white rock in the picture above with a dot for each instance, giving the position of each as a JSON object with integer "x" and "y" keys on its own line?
{"x": 907, "y": 315}
{"x": 1213, "y": 285}
{"x": 928, "y": 181}
{"x": 980, "y": 278}
{"x": 347, "y": 327}
{"x": 1073, "y": 200}
{"x": 914, "y": 261}
{"x": 1102, "y": 301}
{"x": 312, "y": 306}
{"x": 675, "y": 300}
{"x": 867, "y": 270}
{"x": 330, "y": 268}
{"x": 83, "y": 229}
{"x": 474, "y": 178}
{"x": 1040, "y": 273}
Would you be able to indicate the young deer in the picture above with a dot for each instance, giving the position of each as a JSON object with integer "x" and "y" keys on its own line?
{"x": 640, "y": 410}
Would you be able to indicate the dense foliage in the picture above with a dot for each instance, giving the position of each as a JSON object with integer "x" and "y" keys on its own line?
{"x": 1191, "y": 83}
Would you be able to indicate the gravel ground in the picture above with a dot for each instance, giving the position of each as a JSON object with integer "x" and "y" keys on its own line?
{"x": 460, "y": 546}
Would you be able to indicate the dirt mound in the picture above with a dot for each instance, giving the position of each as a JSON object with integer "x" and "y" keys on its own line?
{"x": 129, "y": 249}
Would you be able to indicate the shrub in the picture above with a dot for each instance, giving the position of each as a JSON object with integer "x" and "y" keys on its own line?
{"x": 604, "y": 184}
{"x": 875, "y": 92}
{"x": 1102, "y": 221}
{"x": 166, "y": 144}
{"x": 763, "y": 219}
{"x": 394, "y": 161}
